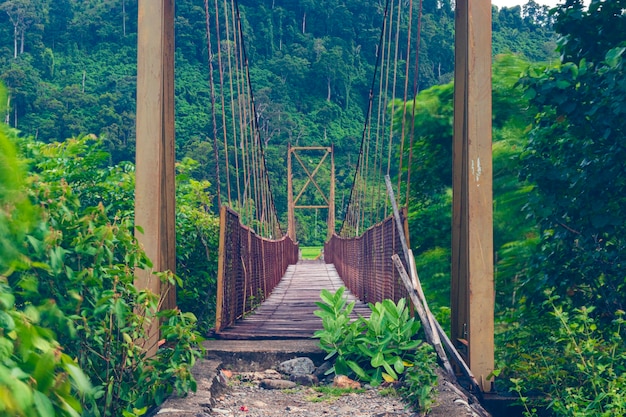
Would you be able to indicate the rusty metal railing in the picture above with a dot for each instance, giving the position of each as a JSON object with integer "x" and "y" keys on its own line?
{"x": 364, "y": 263}
{"x": 249, "y": 268}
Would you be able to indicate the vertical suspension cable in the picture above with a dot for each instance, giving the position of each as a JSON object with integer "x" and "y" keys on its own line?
{"x": 393, "y": 103}
{"x": 355, "y": 182}
{"x": 262, "y": 182}
{"x": 415, "y": 90}
{"x": 221, "y": 72}
{"x": 232, "y": 47}
{"x": 212, "y": 93}
{"x": 406, "y": 93}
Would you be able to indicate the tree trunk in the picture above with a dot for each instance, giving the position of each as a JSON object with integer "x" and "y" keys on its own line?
{"x": 124, "y": 17}
{"x": 7, "y": 119}
{"x": 304, "y": 23}
{"x": 329, "y": 89}
{"x": 15, "y": 36}
{"x": 23, "y": 31}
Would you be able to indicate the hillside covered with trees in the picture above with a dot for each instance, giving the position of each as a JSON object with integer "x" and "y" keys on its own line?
{"x": 70, "y": 69}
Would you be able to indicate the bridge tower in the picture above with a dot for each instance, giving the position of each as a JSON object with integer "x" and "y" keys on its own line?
{"x": 155, "y": 172}
{"x": 328, "y": 199}
{"x": 472, "y": 290}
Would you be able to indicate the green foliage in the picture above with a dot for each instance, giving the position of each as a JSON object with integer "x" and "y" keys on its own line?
{"x": 311, "y": 68}
{"x": 430, "y": 208}
{"x": 575, "y": 158}
{"x": 382, "y": 347}
{"x": 36, "y": 377}
{"x": 330, "y": 393}
{"x": 81, "y": 260}
{"x": 197, "y": 240}
{"x": 311, "y": 252}
{"x": 580, "y": 369}
{"x": 420, "y": 380}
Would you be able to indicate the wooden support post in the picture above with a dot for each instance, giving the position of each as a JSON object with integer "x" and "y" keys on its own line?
{"x": 154, "y": 192}
{"x": 221, "y": 265}
{"x": 472, "y": 291}
{"x": 331, "y": 197}
{"x": 292, "y": 202}
{"x": 291, "y": 226}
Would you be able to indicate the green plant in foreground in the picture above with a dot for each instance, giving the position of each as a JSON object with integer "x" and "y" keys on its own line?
{"x": 580, "y": 371}
{"x": 381, "y": 348}
{"x": 36, "y": 377}
{"x": 80, "y": 257}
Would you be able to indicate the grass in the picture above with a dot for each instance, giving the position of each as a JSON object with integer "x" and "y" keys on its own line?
{"x": 311, "y": 252}
{"x": 330, "y": 394}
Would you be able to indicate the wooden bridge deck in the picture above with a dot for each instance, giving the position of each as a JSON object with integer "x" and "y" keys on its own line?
{"x": 288, "y": 312}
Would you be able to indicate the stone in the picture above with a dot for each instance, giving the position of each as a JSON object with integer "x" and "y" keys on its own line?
{"x": 297, "y": 366}
{"x": 271, "y": 374}
{"x": 306, "y": 380}
{"x": 258, "y": 404}
{"x": 170, "y": 410}
{"x": 320, "y": 372}
{"x": 221, "y": 411}
{"x": 342, "y": 381}
{"x": 277, "y": 384}
{"x": 291, "y": 409}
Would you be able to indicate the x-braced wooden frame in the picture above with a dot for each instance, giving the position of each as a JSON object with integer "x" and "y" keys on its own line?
{"x": 329, "y": 200}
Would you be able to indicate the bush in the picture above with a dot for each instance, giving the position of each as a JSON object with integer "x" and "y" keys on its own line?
{"x": 36, "y": 377}
{"x": 81, "y": 258}
{"x": 197, "y": 240}
{"x": 383, "y": 347}
{"x": 579, "y": 369}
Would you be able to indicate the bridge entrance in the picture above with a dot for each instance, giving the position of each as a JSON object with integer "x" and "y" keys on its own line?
{"x": 327, "y": 198}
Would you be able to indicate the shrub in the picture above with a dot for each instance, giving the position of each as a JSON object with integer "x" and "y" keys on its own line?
{"x": 579, "y": 368}
{"x": 81, "y": 258}
{"x": 36, "y": 377}
{"x": 197, "y": 240}
{"x": 383, "y": 347}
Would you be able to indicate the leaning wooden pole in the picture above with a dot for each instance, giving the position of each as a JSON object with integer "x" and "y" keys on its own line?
{"x": 472, "y": 290}
{"x": 154, "y": 189}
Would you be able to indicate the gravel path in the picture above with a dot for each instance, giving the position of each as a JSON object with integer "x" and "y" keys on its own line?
{"x": 244, "y": 397}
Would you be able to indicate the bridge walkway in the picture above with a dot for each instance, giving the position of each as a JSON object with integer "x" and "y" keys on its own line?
{"x": 288, "y": 312}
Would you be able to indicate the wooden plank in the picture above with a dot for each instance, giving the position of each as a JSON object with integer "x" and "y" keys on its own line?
{"x": 288, "y": 311}
{"x": 472, "y": 290}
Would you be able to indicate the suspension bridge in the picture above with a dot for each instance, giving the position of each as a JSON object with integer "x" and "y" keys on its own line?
{"x": 264, "y": 290}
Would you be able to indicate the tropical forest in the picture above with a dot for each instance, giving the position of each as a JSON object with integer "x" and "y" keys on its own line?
{"x": 73, "y": 323}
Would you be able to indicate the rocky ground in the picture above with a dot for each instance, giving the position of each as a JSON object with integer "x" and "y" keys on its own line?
{"x": 294, "y": 391}
{"x": 252, "y": 396}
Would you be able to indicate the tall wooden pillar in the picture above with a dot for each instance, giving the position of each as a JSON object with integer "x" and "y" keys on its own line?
{"x": 331, "y": 196}
{"x": 291, "y": 221}
{"x": 155, "y": 186}
{"x": 472, "y": 295}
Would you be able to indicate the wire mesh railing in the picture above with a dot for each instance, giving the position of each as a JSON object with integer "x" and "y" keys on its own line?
{"x": 364, "y": 263}
{"x": 249, "y": 268}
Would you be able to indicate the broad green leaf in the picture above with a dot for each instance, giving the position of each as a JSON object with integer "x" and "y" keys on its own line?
{"x": 358, "y": 370}
{"x": 81, "y": 381}
{"x": 614, "y": 56}
{"x": 377, "y": 360}
{"x": 43, "y": 405}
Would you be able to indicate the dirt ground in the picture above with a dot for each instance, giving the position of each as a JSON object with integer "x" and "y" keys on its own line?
{"x": 244, "y": 397}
